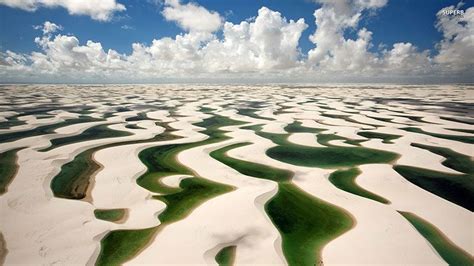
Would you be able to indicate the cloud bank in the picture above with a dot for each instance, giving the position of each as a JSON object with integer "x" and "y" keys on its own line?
{"x": 263, "y": 48}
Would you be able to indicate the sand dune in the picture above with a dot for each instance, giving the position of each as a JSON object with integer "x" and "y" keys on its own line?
{"x": 337, "y": 123}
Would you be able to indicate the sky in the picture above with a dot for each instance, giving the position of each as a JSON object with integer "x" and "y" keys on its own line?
{"x": 152, "y": 41}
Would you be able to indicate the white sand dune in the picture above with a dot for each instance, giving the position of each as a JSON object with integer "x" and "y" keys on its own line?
{"x": 379, "y": 230}
{"x": 32, "y": 122}
{"x": 411, "y": 156}
{"x": 453, "y": 220}
{"x": 307, "y": 139}
{"x": 380, "y": 236}
{"x": 33, "y": 221}
{"x": 174, "y": 180}
{"x": 39, "y": 228}
{"x": 222, "y": 223}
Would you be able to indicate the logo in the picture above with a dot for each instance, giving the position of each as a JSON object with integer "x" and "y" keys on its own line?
{"x": 453, "y": 12}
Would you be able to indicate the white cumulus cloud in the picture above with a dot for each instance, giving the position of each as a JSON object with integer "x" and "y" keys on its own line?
{"x": 456, "y": 50}
{"x": 102, "y": 10}
{"x": 192, "y": 17}
{"x": 332, "y": 20}
{"x": 48, "y": 27}
{"x": 269, "y": 42}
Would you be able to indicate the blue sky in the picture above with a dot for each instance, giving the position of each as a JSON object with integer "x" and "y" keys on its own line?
{"x": 400, "y": 20}
{"x": 407, "y": 24}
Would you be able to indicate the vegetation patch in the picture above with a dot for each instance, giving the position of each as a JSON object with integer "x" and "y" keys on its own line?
{"x": 194, "y": 191}
{"x": 12, "y": 121}
{"x": 324, "y": 139}
{"x": 8, "y": 168}
{"x": 119, "y": 246}
{"x": 464, "y": 139}
{"x": 226, "y": 256}
{"x": 297, "y": 127}
{"x": 458, "y": 189}
{"x": 93, "y": 133}
{"x": 46, "y": 129}
{"x": 454, "y": 160}
{"x": 305, "y": 223}
{"x": 345, "y": 180}
{"x": 386, "y": 138}
{"x": 74, "y": 178}
{"x": 111, "y": 215}
{"x": 250, "y": 112}
{"x": 458, "y": 120}
{"x": 250, "y": 169}
{"x": 329, "y": 157}
{"x": 161, "y": 161}
{"x": 451, "y": 253}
